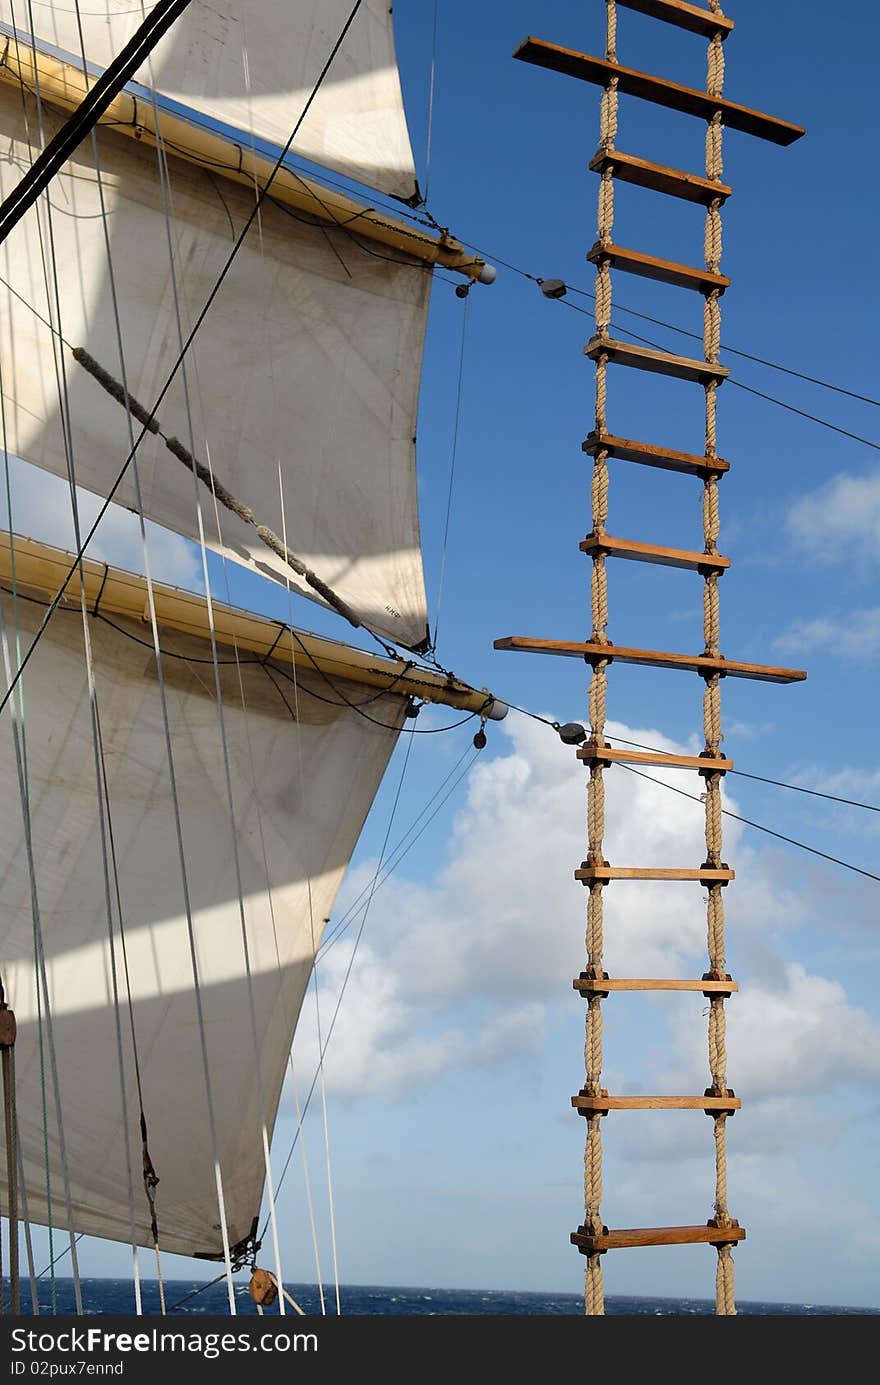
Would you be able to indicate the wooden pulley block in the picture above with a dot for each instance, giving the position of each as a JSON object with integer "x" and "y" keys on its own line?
{"x": 7, "y": 1028}
{"x": 263, "y": 1289}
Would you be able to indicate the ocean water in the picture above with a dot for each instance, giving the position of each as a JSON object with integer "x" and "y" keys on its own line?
{"x": 117, "y": 1296}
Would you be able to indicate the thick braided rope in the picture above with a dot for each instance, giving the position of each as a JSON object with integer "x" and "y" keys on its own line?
{"x": 594, "y": 1292}
{"x": 607, "y": 136}
{"x": 724, "y": 1279}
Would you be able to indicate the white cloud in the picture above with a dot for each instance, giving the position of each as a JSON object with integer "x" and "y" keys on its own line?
{"x": 464, "y": 970}
{"x": 505, "y": 911}
{"x": 377, "y": 1044}
{"x": 471, "y": 970}
{"x": 850, "y": 635}
{"x": 794, "y": 1036}
{"x": 839, "y": 517}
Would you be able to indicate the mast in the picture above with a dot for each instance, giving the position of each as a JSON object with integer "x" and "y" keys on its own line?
{"x": 593, "y": 1238}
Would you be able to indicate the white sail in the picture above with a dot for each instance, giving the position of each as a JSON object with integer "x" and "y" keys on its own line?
{"x": 301, "y": 789}
{"x": 252, "y": 64}
{"x": 302, "y": 385}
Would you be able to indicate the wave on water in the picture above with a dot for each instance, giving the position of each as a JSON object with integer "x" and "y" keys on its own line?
{"x": 116, "y": 1296}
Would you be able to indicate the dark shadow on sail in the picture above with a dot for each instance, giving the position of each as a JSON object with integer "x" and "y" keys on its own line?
{"x": 301, "y": 787}
{"x": 175, "y": 1105}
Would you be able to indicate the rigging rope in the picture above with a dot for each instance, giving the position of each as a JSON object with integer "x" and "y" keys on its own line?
{"x": 724, "y": 1282}
{"x": 102, "y": 786}
{"x": 40, "y": 977}
{"x": 747, "y": 822}
{"x": 455, "y": 433}
{"x": 269, "y": 893}
{"x": 53, "y": 308}
{"x": 315, "y": 945}
{"x": 252, "y": 216}
{"x": 216, "y": 487}
{"x": 429, "y": 137}
{"x": 28, "y": 1240}
{"x": 35, "y": 1306}
{"x": 593, "y": 1223}
{"x": 165, "y": 181}
{"x": 89, "y": 111}
{"x": 375, "y": 885}
{"x": 594, "y": 1292}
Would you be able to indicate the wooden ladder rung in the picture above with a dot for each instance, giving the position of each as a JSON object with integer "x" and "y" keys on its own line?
{"x": 652, "y": 267}
{"x": 673, "y": 182}
{"x": 710, "y": 1234}
{"x": 690, "y": 463}
{"x": 621, "y": 755}
{"x": 651, "y": 658}
{"x": 707, "y": 1103}
{"x": 689, "y": 100}
{"x": 696, "y": 18}
{"x": 707, "y": 875}
{"x": 591, "y": 985}
{"x": 604, "y": 544}
{"x": 656, "y": 362}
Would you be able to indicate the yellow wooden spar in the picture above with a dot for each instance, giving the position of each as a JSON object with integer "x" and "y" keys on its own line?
{"x": 64, "y": 85}
{"x": 39, "y": 570}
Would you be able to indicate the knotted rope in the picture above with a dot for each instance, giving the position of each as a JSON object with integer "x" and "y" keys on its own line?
{"x": 725, "y": 1304}
{"x": 594, "y": 1291}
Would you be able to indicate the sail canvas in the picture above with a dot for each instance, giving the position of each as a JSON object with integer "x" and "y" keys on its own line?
{"x": 116, "y": 911}
{"x": 252, "y": 64}
{"x": 300, "y": 392}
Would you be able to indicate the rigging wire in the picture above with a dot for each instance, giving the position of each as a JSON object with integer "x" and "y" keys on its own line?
{"x": 735, "y": 351}
{"x": 88, "y": 112}
{"x": 343, "y": 923}
{"x": 429, "y": 137}
{"x": 265, "y": 859}
{"x": 746, "y": 821}
{"x": 167, "y": 196}
{"x": 314, "y": 970}
{"x": 357, "y": 707}
{"x": 357, "y": 941}
{"x": 372, "y": 887}
{"x": 20, "y": 701}
{"x": 743, "y": 774}
{"x": 378, "y": 886}
{"x": 746, "y": 774}
{"x": 252, "y": 216}
{"x": 102, "y": 784}
{"x": 792, "y": 841}
{"x": 455, "y": 435}
{"x": 41, "y": 977}
{"x": 28, "y": 1240}
{"x": 58, "y": 1258}
{"x": 738, "y": 384}
{"x": 262, "y": 662}
{"x": 853, "y": 803}
{"x": 195, "y": 1292}
{"x": 659, "y": 322}
{"x": 514, "y": 707}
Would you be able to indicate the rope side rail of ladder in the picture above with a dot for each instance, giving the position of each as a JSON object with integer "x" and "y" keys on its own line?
{"x": 719, "y": 1101}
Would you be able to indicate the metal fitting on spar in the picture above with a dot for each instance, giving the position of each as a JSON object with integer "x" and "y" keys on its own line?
{"x": 487, "y": 275}
{"x": 497, "y": 710}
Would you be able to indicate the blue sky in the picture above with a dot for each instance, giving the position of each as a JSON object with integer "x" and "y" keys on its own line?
{"x": 456, "y": 1158}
